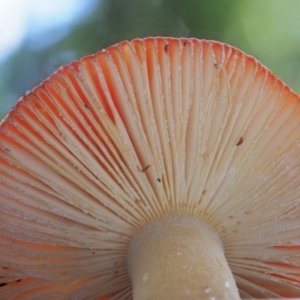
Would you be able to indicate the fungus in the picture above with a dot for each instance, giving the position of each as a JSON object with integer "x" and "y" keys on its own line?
{"x": 207, "y": 220}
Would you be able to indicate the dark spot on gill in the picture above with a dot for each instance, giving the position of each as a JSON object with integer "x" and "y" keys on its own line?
{"x": 166, "y": 48}
{"x": 145, "y": 168}
{"x": 240, "y": 141}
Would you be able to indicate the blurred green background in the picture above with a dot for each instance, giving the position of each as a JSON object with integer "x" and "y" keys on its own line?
{"x": 266, "y": 29}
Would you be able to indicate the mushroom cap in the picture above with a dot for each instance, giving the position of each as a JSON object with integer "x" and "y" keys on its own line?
{"x": 110, "y": 143}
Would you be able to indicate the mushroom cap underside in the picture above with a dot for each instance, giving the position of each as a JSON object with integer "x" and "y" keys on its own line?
{"x": 145, "y": 128}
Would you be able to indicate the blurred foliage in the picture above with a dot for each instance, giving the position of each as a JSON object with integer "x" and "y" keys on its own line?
{"x": 244, "y": 24}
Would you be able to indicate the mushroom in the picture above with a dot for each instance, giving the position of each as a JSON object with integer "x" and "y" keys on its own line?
{"x": 160, "y": 168}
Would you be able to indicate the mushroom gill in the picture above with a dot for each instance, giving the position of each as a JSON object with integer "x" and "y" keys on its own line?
{"x": 190, "y": 135}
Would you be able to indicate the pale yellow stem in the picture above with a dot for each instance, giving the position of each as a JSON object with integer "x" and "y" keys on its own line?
{"x": 179, "y": 257}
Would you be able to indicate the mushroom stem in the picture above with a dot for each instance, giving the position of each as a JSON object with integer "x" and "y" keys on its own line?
{"x": 179, "y": 257}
